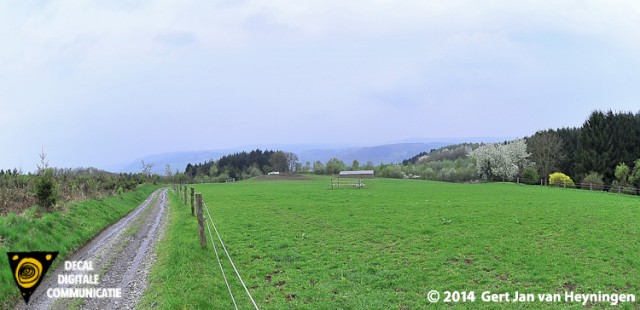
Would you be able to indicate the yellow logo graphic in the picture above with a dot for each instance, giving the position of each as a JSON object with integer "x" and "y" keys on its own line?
{"x": 28, "y": 268}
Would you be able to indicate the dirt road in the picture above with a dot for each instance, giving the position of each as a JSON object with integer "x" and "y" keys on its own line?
{"x": 115, "y": 263}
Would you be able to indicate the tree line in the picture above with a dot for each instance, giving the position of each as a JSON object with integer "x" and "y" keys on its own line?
{"x": 604, "y": 150}
{"x": 243, "y": 165}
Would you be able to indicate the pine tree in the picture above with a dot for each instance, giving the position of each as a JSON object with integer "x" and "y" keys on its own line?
{"x": 46, "y": 190}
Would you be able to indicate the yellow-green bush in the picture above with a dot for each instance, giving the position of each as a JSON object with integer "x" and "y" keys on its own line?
{"x": 560, "y": 179}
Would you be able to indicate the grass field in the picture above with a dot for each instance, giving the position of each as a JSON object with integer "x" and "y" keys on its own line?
{"x": 298, "y": 244}
{"x": 62, "y": 230}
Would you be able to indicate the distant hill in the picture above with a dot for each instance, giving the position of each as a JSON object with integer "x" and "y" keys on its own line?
{"x": 387, "y": 153}
{"x": 177, "y": 161}
{"x": 449, "y": 152}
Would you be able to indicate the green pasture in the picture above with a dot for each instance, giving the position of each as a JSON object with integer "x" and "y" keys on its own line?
{"x": 299, "y": 244}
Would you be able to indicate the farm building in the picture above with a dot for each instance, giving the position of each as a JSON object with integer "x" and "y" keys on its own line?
{"x": 359, "y": 174}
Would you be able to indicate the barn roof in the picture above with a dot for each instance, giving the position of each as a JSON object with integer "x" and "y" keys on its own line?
{"x": 357, "y": 173}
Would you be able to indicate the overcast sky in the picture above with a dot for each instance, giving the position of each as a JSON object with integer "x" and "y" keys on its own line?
{"x": 98, "y": 83}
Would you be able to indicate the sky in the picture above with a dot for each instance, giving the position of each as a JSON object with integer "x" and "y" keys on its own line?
{"x": 101, "y": 83}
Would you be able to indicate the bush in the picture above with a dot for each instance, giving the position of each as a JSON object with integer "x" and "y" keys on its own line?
{"x": 46, "y": 189}
{"x": 560, "y": 179}
{"x": 530, "y": 176}
{"x": 593, "y": 180}
{"x": 223, "y": 177}
{"x": 616, "y": 187}
{"x": 622, "y": 174}
{"x": 254, "y": 171}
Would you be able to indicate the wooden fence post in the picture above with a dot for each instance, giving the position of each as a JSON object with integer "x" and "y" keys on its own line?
{"x": 192, "y": 189}
{"x": 185, "y": 194}
{"x": 203, "y": 240}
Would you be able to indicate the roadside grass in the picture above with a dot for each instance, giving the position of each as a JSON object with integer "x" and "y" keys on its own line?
{"x": 299, "y": 245}
{"x": 63, "y": 231}
{"x": 181, "y": 278}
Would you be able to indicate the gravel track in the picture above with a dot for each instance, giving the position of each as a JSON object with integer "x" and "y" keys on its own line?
{"x": 121, "y": 256}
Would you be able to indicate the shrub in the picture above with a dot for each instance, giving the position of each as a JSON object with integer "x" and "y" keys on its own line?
{"x": 617, "y": 187}
{"x": 634, "y": 176}
{"x": 622, "y": 173}
{"x": 254, "y": 171}
{"x": 223, "y": 177}
{"x": 560, "y": 179}
{"x": 530, "y": 176}
{"x": 46, "y": 189}
{"x": 593, "y": 180}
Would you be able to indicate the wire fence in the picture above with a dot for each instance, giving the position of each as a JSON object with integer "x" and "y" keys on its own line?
{"x": 226, "y": 282}
{"x": 201, "y": 206}
{"x": 210, "y": 219}
{"x": 584, "y": 186}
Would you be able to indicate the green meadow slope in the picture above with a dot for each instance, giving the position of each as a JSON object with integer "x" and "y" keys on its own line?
{"x": 299, "y": 244}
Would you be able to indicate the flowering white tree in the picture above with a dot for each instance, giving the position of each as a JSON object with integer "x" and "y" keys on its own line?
{"x": 486, "y": 158}
{"x": 501, "y": 160}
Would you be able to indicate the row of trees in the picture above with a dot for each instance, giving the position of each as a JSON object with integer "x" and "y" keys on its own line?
{"x": 604, "y": 150}
{"x": 450, "y": 152}
{"x": 554, "y": 150}
{"x": 459, "y": 170}
{"x": 243, "y": 165}
{"x": 450, "y": 164}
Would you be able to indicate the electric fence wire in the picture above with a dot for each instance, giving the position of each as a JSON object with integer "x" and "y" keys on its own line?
{"x": 221, "y": 269}
{"x": 229, "y": 257}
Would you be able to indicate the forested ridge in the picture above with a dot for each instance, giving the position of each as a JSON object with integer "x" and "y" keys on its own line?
{"x": 242, "y": 165}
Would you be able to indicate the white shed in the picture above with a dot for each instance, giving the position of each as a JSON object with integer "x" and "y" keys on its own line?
{"x": 357, "y": 174}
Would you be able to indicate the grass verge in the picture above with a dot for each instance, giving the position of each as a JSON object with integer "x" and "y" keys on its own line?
{"x": 63, "y": 231}
{"x": 181, "y": 278}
